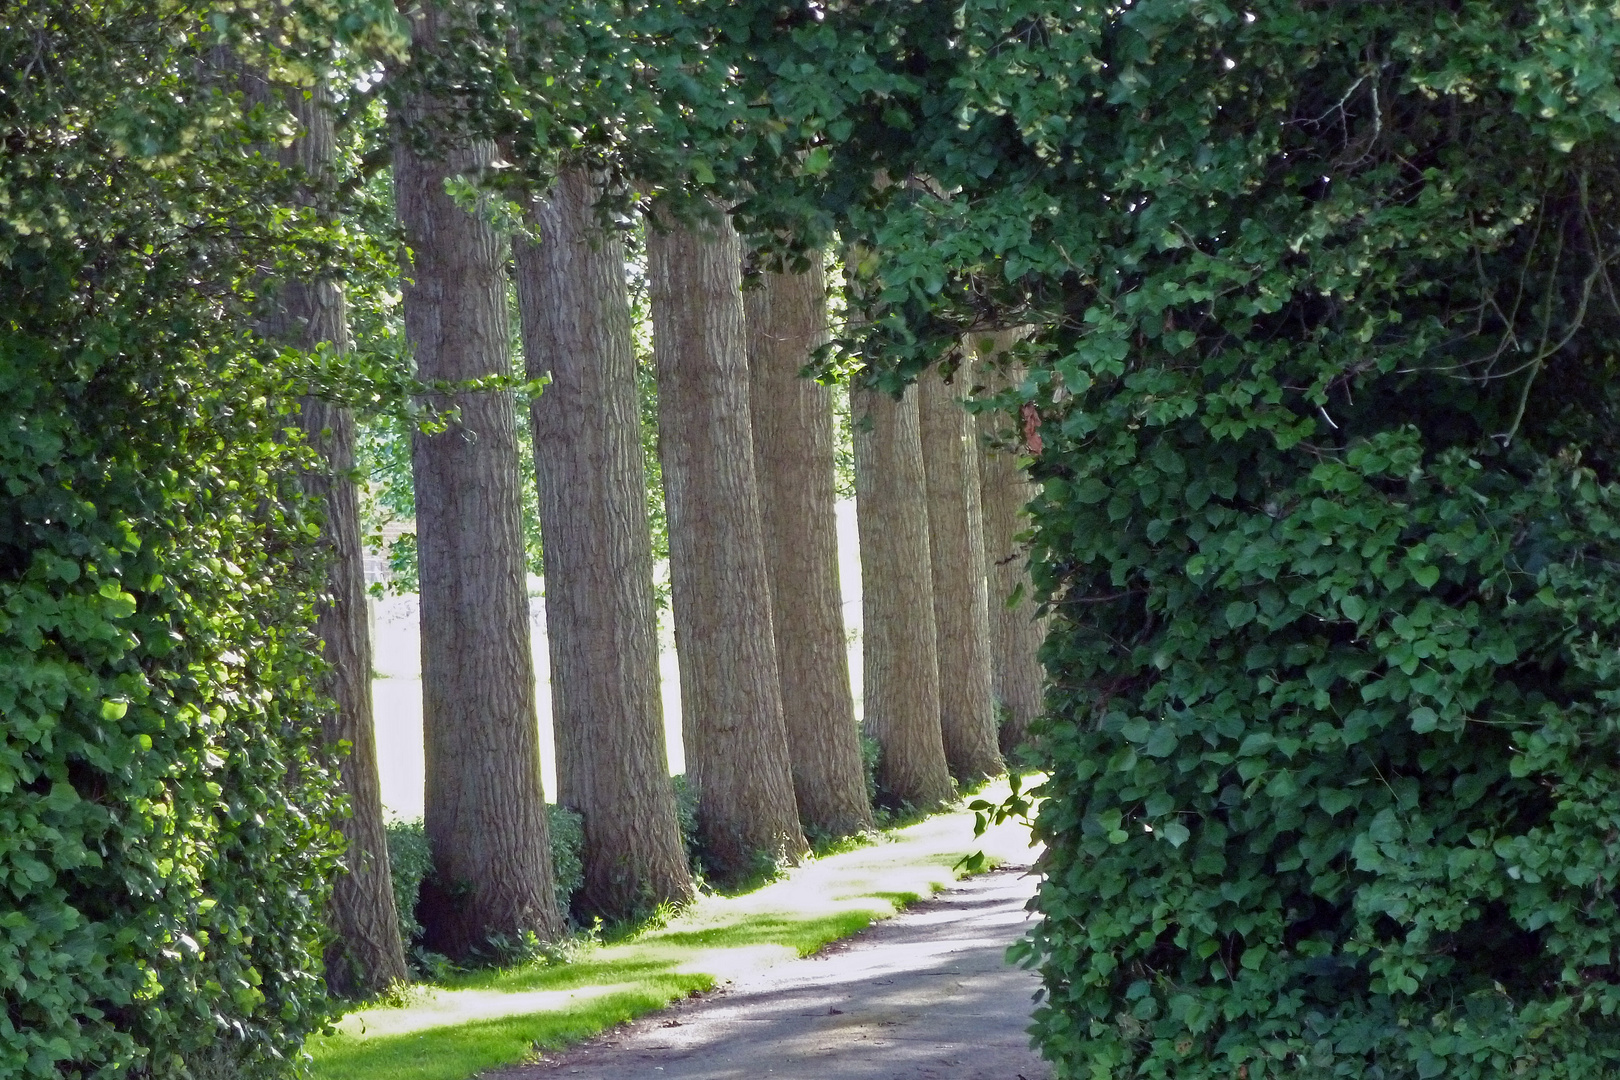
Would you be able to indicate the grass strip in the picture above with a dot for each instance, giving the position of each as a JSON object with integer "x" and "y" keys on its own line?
{"x": 485, "y": 1019}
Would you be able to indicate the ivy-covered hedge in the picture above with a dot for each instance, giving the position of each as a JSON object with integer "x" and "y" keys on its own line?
{"x": 1330, "y": 532}
{"x": 1341, "y": 791}
{"x": 165, "y": 853}
{"x": 164, "y": 846}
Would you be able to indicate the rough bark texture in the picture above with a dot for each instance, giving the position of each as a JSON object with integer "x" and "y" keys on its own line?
{"x": 484, "y": 809}
{"x": 900, "y": 668}
{"x": 366, "y": 954}
{"x": 731, "y": 706}
{"x": 967, "y": 714}
{"x": 612, "y": 764}
{"x": 793, "y": 453}
{"x": 1015, "y": 631}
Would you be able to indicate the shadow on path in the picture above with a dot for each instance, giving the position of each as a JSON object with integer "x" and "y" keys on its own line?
{"x": 927, "y": 995}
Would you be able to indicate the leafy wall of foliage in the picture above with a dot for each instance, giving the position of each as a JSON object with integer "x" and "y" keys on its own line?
{"x": 1328, "y": 529}
{"x": 165, "y": 848}
{"x": 1327, "y": 526}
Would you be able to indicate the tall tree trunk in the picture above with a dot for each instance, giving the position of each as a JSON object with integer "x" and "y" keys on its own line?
{"x": 485, "y": 812}
{"x": 1015, "y": 630}
{"x": 366, "y": 954}
{"x": 731, "y": 705}
{"x": 899, "y": 658}
{"x": 956, "y": 549}
{"x": 793, "y": 452}
{"x": 612, "y": 764}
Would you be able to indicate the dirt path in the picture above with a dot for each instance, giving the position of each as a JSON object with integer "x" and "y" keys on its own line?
{"x": 926, "y": 995}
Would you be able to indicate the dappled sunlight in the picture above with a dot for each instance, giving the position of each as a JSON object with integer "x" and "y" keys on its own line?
{"x": 461, "y": 1050}
{"x": 717, "y": 939}
{"x": 927, "y": 994}
{"x": 438, "y": 1008}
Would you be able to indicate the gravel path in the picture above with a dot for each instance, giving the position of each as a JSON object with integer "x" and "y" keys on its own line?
{"x": 926, "y": 995}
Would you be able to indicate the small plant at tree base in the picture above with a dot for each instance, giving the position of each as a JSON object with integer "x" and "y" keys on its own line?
{"x": 509, "y": 950}
{"x": 871, "y": 754}
{"x": 411, "y": 861}
{"x": 686, "y": 809}
{"x": 823, "y": 846}
{"x": 567, "y": 852}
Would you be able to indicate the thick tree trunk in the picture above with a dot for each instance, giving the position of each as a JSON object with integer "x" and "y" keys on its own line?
{"x": 366, "y": 955}
{"x": 484, "y": 809}
{"x": 1015, "y": 630}
{"x": 612, "y": 764}
{"x": 956, "y": 550}
{"x": 899, "y": 658}
{"x": 731, "y": 706}
{"x": 793, "y": 452}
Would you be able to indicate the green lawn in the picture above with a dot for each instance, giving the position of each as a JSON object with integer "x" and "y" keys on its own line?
{"x": 499, "y": 1017}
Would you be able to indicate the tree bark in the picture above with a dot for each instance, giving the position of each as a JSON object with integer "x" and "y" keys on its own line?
{"x": 366, "y": 955}
{"x": 484, "y": 808}
{"x": 961, "y": 606}
{"x": 793, "y": 452}
{"x": 612, "y": 764}
{"x": 898, "y": 648}
{"x": 1015, "y": 629}
{"x": 731, "y": 706}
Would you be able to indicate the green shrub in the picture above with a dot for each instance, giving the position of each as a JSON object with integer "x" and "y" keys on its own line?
{"x": 1328, "y": 530}
{"x": 567, "y": 852}
{"x": 686, "y": 810}
{"x": 871, "y": 754}
{"x": 409, "y": 861}
{"x": 165, "y": 849}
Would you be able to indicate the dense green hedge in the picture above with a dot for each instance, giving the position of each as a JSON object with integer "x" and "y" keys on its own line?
{"x": 163, "y": 836}
{"x": 1329, "y": 533}
{"x": 165, "y": 854}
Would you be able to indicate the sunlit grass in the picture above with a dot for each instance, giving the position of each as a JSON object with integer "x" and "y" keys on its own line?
{"x": 482, "y": 1019}
{"x": 459, "y": 1051}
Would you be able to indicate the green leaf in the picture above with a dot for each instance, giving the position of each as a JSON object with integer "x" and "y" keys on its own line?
{"x": 1090, "y": 491}
{"x": 1163, "y": 741}
{"x": 1334, "y": 800}
{"x": 1158, "y": 804}
{"x": 1240, "y": 613}
{"x": 1385, "y": 827}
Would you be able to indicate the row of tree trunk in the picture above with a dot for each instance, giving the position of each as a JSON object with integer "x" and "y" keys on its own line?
{"x": 747, "y": 452}
{"x": 940, "y": 503}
